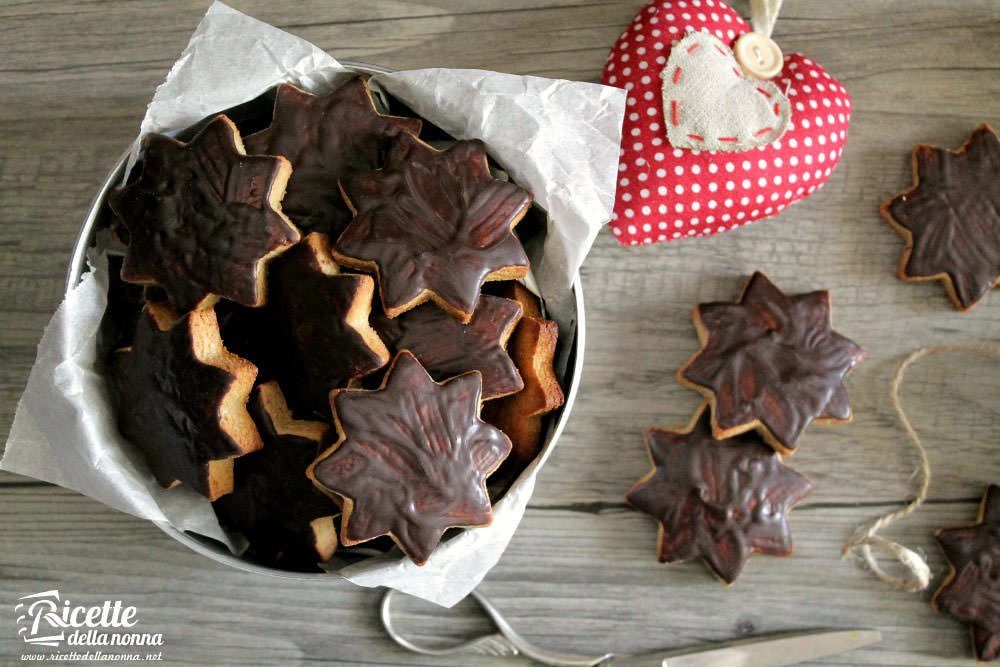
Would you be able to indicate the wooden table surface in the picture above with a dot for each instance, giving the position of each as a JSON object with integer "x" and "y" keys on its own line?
{"x": 581, "y": 573}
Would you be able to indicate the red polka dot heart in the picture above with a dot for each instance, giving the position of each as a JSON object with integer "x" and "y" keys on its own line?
{"x": 666, "y": 193}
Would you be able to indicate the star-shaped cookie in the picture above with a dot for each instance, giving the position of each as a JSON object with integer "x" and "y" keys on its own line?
{"x": 433, "y": 225}
{"x": 950, "y": 217}
{"x": 412, "y": 458}
{"x": 183, "y": 400}
{"x": 772, "y": 362}
{"x": 313, "y": 335}
{"x": 325, "y": 138}
{"x": 125, "y": 302}
{"x": 721, "y": 500}
{"x": 446, "y": 347}
{"x": 972, "y": 591}
{"x": 204, "y": 218}
{"x": 520, "y": 415}
{"x": 515, "y": 291}
{"x": 288, "y": 522}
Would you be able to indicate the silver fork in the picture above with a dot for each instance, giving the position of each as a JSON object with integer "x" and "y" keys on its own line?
{"x": 770, "y": 651}
{"x": 505, "y": 642}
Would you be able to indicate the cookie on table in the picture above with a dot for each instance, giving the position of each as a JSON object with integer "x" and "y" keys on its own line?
{"x": 326, "y": 137}
{"x": 433, "y": 225}
{"x": 971, "y": 593}
{"x": 287, "y": 520}
{"x": 771, "y": 362}
{"x": 204, "y": 218}
{"x": 446, "y": 347}
{"x": 950, "y": 217}
{"x": 720, "y": 500}
{"x": 412, "y": 458}
{"x": 183, "y": 400}
{"x": 314, "y": 333}
{"x": 520, "y": 415}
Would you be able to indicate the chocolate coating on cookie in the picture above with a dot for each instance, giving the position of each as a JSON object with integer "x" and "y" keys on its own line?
{"x": 950, "y": 218}
{"x": 433, "y": 225}
{"x": 531, "y": 305}
{"x": 720, "y": 500}
{"x": 772, "y": 362}
{"x": 446, "y": 347}
{"x": 203, "y": 218}
{"x": 125, "y": 302}
{"x": 412, "y": 458}
{"x": 313, "y": 335}
{"x": 325, "y": 138}
{"x": 972, "y": 591}
{"x": 288, "y": 522}
{"x": 183, "y": 400}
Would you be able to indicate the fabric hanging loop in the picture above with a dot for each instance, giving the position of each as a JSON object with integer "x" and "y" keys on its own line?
{"x": 763, "y": 15}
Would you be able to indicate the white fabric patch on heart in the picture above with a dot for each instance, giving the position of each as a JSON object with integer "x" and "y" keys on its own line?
{"x": 709, "y": 104}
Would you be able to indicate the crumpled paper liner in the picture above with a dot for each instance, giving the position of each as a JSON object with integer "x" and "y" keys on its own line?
{"x": 559, "y": 139}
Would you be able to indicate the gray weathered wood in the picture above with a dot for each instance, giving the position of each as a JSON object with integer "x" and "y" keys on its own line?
{"x": 581, "y": 573}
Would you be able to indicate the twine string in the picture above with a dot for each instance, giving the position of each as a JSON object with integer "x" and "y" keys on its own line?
{"x": 916, "y": 573}
{"x": 763, "y": 15}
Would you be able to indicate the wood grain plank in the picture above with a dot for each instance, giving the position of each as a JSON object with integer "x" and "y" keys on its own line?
{"x": 557, "y": 567}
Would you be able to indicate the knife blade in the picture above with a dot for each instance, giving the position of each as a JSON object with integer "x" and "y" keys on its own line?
{"x": 774, "y": 651}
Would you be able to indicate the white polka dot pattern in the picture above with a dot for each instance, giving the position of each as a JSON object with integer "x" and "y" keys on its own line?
{"x": 666, "y": 193}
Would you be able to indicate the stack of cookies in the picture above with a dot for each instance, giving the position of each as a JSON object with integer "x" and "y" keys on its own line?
{"x": 312, "y": 347}
{"x": 770, "y": 365}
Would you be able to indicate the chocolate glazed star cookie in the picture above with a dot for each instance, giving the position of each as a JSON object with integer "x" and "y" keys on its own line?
{"x": 313, "y": 335}
{"x": 950, "y": 218}
{"x": 286, "y": 519}
{"x": 718, "y": 499}
{"x": 325, "y": 138}
{"x": 412, "y": 458}
{"x": 183, "y": 400}
{"x": 972, "y": 591}
{"x": 204, "y": 218}
{"x": 433, "y": 225}
{"x": 771, "y": 362}
{"x": 446, "y": 347}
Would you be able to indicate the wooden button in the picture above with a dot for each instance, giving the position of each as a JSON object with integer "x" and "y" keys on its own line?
{"x": 758, "y": 55}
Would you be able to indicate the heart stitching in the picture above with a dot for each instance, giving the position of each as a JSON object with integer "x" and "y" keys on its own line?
{"x": 709, "y": 104}
{"x": 666, "y": 192}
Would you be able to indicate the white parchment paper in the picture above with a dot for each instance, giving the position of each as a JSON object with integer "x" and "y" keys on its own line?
{"x": 559, "y": 139}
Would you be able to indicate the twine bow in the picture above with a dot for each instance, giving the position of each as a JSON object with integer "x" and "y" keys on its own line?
{"x": 917, "y": 574}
